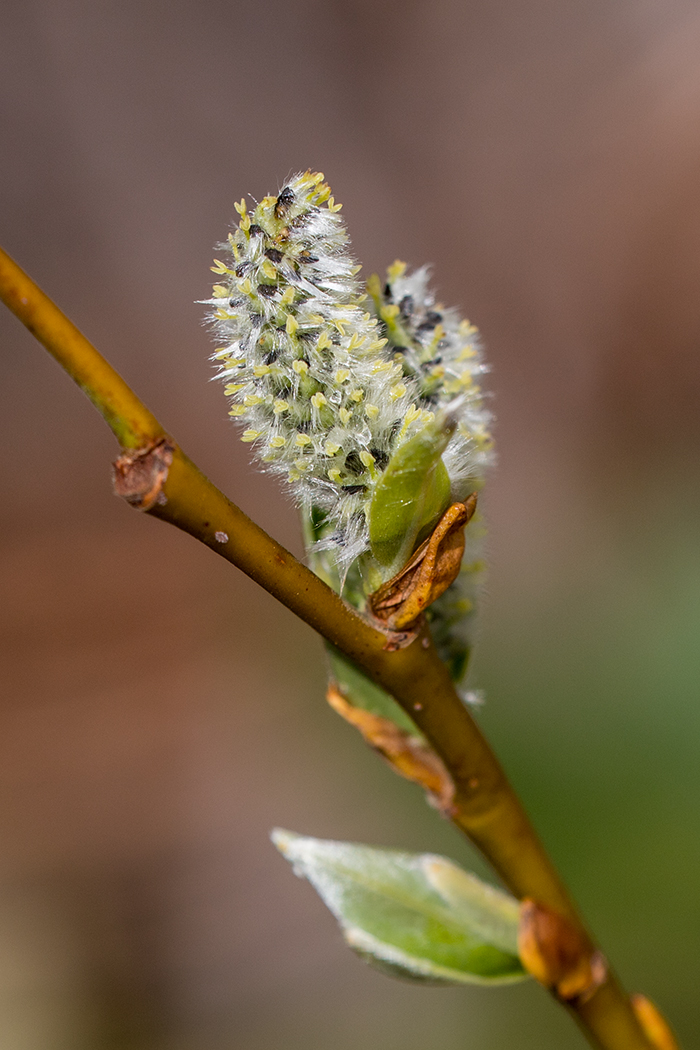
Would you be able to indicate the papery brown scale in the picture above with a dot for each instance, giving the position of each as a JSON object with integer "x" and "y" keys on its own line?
{"x": 400, "y": 602}
{"x": 409, "y": 756}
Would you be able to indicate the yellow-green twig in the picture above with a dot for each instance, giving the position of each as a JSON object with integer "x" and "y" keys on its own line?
{"x": 486, "y": 807}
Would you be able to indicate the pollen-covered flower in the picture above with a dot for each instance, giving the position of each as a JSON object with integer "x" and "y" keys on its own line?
{"x": 304, "y": 361}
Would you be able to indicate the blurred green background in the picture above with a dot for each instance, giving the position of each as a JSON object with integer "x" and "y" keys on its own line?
{"x": 158, "y": 714}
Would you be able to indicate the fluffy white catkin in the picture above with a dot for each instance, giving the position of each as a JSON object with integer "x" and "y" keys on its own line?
{"x": 326, "y": 382}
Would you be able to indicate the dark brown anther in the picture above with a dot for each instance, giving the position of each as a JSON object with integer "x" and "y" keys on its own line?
{"x": 284, "y": 202}
{"x": 558, "y": 955}
{"x": 139, "y": 474}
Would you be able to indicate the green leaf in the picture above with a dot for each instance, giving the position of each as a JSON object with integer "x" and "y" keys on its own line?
{"x": 410, "y": 497}
{"x": 413, "y": 915}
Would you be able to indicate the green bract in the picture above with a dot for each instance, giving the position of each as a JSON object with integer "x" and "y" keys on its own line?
{"x": 411, "y": 495}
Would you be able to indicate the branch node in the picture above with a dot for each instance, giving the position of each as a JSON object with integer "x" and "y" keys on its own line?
{"x": 556, "y": 954}
{"x": 139, "y": 474}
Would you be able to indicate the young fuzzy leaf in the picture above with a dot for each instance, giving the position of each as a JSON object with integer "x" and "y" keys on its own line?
{"x": 409, "y": 914}
{"x": 412, "y": 493}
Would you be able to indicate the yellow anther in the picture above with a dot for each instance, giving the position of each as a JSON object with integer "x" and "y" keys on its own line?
{"x": 302, "y": 440}
{"x": 219, "y": 291}
{"x": 250, "y": 435}
{"x": 300, "y": 367}
{"x": 237, "y": 410}
{"x": 233, "y": 388}
{"x": 219, "y": 267}
{"x": 280, "y": 406}
{"x": 335, "y": 475}
{"x": 342, "y": 375}
{"x": 241, "y": 208}
{"x": 246, "y": 287}
{"x": 287, "y": 297}
{"x": 268, "y": 269}
{"x": 356, "y": 395}
{"x": 396, "y": 270}
{"x": 252, "y": 399}
{"x": 291, "y": 325}
{"x": 344, "y": 416}
{"x": 331, "y": 448}
{"x": 371, "y": 411}
{"x": 319, "y": 400}
{"x": 324, "y": 341}
{"x": 397, "y": 391}
{"x": 261, "y": 370}
{"x": 277, "y": 442}
{"x": 367, "y": 458}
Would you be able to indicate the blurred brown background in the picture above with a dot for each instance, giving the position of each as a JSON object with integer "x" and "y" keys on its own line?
{"x": 159, "y": 714}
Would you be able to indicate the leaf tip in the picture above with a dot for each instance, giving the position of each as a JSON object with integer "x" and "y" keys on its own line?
{"x": 283, "y": 840}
